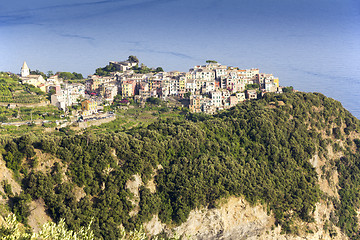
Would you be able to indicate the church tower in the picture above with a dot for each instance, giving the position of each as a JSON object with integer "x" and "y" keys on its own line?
{"x": 25, "y": 71}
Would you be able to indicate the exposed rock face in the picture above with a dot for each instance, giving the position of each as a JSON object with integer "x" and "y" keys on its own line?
{"x": 7, "y": 175}
{"x": 237, "y": 219}
{"x": 38, "y": 216}
{"x": 155, "y": 226}
{"x": 133, "y": 186}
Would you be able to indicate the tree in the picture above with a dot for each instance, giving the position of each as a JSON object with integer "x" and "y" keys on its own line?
{"x": 133, "y": 59}
{"x": 77, "y": 75}
{"x": 288, "y": 89}
{"x": 66, "y": 75}
{"x": 252, "y": 86}
{"x": 11, "y": 230}
{"x": 37, "y": 72}
{"x": 159, "y": 69}
{"x": 153, "y": 100}
{"x": 211, "y": 61}
{"x": 49, "y": 73}
{"x": 70, "y": 76}
{"x": 3, "y": 118}
{"x": 7, "y": 188}
{"x": 187, "y": 95}
{"x": 105, "y": 71}
{"x": 20, "y": 206}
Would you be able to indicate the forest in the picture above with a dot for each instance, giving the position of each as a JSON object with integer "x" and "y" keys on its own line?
{"x": 258, "y": 150}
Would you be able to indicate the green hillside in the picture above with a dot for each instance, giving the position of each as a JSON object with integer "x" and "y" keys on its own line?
{"x": 259, "y": 150}
{"x": 11, "y": 91}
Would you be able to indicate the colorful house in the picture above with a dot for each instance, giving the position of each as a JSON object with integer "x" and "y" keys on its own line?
{"x": 88, "y": 107}
{"x": 128, "y": 88}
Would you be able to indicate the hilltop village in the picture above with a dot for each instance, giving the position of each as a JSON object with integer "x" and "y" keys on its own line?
{"x": 126, "y": 151}
{"x": 208, "y": 88}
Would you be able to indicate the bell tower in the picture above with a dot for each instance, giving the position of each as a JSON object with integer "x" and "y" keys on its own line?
{"x": 25, "y": 71}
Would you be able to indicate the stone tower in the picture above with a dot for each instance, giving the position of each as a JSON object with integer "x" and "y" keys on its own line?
{"x": 25, "y": 71}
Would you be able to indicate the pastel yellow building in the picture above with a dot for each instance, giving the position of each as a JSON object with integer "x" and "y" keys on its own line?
{"x": 128, "y": 89}
{"x": 276, "y": 81}
{"x": 88, "y": 107}
{"x": 195, "y": 103}
{"x": 182, "y": 82}
{"x": 95, "y": 84}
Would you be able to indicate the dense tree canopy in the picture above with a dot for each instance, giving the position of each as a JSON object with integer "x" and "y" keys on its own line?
{"x": 259, "y": 150}
{"x": 70, "y": 76}
{"x": 133, "y": 59}
{"x": 105, "y": 71}
{"x": 38, "y": 72}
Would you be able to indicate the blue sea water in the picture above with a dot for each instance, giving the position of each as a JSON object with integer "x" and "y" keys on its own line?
{"x": 344, "y": 88}
{"x": 328, "y": 64}
{"x": 313, "y": 46}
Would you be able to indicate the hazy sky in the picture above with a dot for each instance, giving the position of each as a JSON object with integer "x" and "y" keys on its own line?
{"x": 80, "y": 35}
{"x": 305, "y": 43}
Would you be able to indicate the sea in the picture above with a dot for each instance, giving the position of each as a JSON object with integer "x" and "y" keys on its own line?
{"x": 341, "y": 87}
{"x": 321, "y": 58}
{"x": 331, "y": 67}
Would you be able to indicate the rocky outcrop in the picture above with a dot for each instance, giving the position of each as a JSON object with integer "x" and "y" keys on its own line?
{"x": 237, "y": 219}
{"x": 38, "y": 216}
{"x": 133, "y": 186}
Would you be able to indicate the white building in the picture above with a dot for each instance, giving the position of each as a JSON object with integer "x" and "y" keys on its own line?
{"x": 190, "y": 85}
{"x": 220, "y": 71}
{"x": 251, "y": 73}
{"x": 34, "y": 80}
{"x": 110, "y": 90}
{"x": 240, "y": 96}
{"x": 123, "y": 66}
{"x": 205, "y": 74}
{"x": 270, "y": 86}
{"x": 55, "y": 79}
{"x": 58, "y": 100}
{"x": 208, "y": 87}
{"x": 173, "y": 86}
{"x": 24, "y": 71}
{"x": 68, "y": 96}
{"x": 216, "y": 98}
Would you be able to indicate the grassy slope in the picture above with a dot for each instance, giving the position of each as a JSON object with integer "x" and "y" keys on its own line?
{"x": 11, "y": 91}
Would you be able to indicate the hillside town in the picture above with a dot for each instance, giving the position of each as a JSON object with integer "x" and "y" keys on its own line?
{"x": 209, "y": 88}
